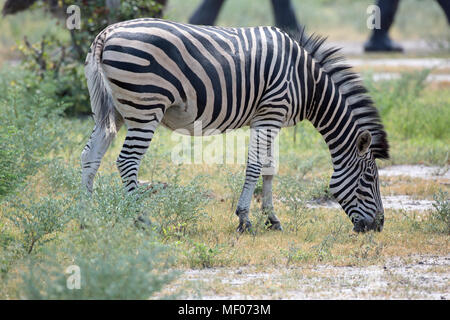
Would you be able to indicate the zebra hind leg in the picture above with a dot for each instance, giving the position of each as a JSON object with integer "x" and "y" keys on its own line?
{"x": 136, "y": 144}
{"x": 94, "y": 151}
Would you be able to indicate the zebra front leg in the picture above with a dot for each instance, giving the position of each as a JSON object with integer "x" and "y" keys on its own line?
{"x": 136, "y": 144}
{"x": 267, "y": 206}
{"x": 243, "y": 207}
{"x": 268, "y": 171}
{"x": 260, "y": 157}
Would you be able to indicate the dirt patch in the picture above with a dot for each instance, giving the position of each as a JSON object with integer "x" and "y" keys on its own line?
{"x": 398, "y": 202}
{"x": 406, "y": 203}
{"x": 416, "y": 171}
{"x": 416, "y": 277}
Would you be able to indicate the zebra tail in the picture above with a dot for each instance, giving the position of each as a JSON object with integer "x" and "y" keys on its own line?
{"x": 102, "y": 103}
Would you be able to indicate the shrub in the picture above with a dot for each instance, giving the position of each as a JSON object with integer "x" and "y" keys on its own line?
{"x": 440, "y": 216}
{"x": 296, "y": 254}
{"x": 111, "y": 266}
{"x": 30, "y": 131}
{"x": 37, "y": 220}
{"x": 116, "y": 259}
{"x": 202, "y": 255}
{"x": 234, "y": 182}
{"x": 294, "y": 195}
{"x": 176, "y": 208}
{"x": 60, "y": 62}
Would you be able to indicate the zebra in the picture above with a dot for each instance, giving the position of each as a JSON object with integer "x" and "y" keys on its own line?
{"x": 146, "y": 72}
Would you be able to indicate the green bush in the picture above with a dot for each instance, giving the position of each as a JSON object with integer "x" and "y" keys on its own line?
{"x": 38, "y": 219}
{"x": 59, "y": 64}
{"x": 30, "y": 131}
{"x": 294, "y": 195}
{"x": 175, "y": 209}
{"x": 440, "y": 217}
{"x": 112, "y": 265}
{"x": 202, "y": 255}
{"x": 116, "y": 259}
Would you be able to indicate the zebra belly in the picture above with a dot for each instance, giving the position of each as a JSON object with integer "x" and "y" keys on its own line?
{"x": 181, "y": 119}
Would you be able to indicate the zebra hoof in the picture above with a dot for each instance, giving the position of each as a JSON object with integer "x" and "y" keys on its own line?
{"x": 244, "y": 226}
{"x": 274, "y": 226}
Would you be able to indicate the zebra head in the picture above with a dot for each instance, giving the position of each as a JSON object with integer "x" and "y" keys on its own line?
{"x": 356, "y": 187}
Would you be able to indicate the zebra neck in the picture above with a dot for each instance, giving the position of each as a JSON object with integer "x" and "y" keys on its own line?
{"x": 330, "y": 114}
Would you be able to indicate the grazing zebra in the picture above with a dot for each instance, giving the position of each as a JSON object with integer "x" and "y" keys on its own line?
{"x": 145, "y": 72}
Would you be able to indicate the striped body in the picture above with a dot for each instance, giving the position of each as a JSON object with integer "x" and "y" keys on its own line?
{"x": 222, "y": 78}
{"x": 209, "y": 80}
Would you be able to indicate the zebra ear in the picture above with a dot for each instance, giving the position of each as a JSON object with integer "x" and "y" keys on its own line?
{"x": 363, "y": 142}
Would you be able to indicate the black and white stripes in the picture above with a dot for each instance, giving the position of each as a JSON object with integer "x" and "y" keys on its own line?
{"x": 149, "y": 71}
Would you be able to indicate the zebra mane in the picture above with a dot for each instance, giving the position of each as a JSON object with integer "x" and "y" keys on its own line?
{"x": 352, "y": 89}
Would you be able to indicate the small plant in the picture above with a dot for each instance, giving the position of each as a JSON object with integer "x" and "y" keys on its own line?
{"x": 152, "y": 163}
{"x": 234, "y": 183}
{"x": 320, "y": 190}
{"x": 296, "y": 254}
{"x": 441, "y": 214}
{"x": 29, "y": 130}
{"x": 111, "y": 267}
{"x": 412, "y": 219}
{"x": 294, "y": 196}
{"x": 259, "y": 222}
{"x": 202, "y": 255}
{"x": 38, "y": 220}
{"x": 369, "y": 249}
{"x": 322, "y": 250}
{"x": 176, "y": 208}
{"x": 109, "y": 204}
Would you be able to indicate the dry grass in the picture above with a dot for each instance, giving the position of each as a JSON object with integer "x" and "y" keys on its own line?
{"x": 414, "y": 187}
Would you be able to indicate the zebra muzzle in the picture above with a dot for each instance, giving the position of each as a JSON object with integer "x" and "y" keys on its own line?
{"x": 367, "y": 224}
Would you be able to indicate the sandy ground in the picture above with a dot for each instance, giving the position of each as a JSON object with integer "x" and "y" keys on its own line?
{"x": 417, "y": 171}
{"x": 398, "y": 202}
{"x": 412, "y": 277}
{"x": 417, "y": 277}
